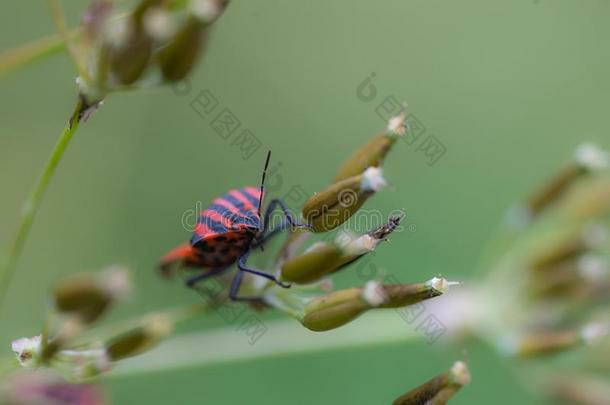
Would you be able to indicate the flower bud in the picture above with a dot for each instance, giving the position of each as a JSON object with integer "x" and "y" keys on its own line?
{"x": 177, "y": 59}
{"x": 439, "y": 390}
{"x": 88, "y": 296}
{"x": 336, "y": 204}
{"x": 373, "y": 153}
{"x": 326, "y": 258}
{"x": 140, "y": 339}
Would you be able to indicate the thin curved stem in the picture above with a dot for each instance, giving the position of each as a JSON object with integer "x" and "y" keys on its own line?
{"x": 62, "y": 28}
{"x": 32, "y": 204}
{"x": 29, "y": 53}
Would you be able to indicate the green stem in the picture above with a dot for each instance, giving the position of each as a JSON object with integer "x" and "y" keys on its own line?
{"x": 29, "y": 53}
{"x": 32, "y": 204}
{"x": 268, "y": 339}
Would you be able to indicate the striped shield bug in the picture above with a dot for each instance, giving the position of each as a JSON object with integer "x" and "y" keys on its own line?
{"x": 225, "y": 234}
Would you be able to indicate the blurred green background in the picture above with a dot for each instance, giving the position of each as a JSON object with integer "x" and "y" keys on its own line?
{"x": 509, "y": 88}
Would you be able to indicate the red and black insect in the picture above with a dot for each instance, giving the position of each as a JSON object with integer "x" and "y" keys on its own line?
{"x": 226, "y": 232}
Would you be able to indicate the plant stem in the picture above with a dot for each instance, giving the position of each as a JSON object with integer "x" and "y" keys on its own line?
{"x": 62, "y": 28}
{"x": 29, "y": 53}
{"x": 32, "y": 204}
{"x": 276, "y": 338}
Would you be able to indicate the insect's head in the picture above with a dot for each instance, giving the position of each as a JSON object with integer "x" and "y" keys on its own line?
{"x": 252, "y": 223}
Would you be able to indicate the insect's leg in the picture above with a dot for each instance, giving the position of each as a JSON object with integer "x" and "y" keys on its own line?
{"x": 235, "y": 289}
{"x": 241, "y": 266}
{"x": 287, "y": 213}
{"x": 270, "y": 233}
{"x": 193, "y": 280}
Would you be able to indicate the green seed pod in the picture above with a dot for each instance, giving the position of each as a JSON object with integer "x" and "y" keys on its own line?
{"x": 438, "y": 390}
{"x": 541, "y": 343}
{"x": 340, "y": 307}
{"x": 588, "y": 158}
{"x": 326, "y": 258}
{"x": 131, "y": 54}
{"x": 312, "y": 265}
{"x": 373, "y": 153}
{"x": 579, "y": 389}
{"x": 549, "y": 341}
{"x": 401, "y": 295}
{"x": 88, "y": 297}
{"x": 331, "y": 207}
{"x": 570, "y": 248}
{"x": 334, "y": 310}
{"x": 140, "y": 339}
{"x": 178, "y": 58}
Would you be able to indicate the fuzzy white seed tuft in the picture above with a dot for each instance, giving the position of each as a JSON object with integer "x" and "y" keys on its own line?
{"x": 593, "y": 332}
{"x": 373, "y": 294}
{"x": 441, "y": 284}
{"x": 159, "y": 24}
{"x": 205, "y": 10}
{"x": 373, "y": 180}
{"x": 592, "y": 157}
{"x": 398, "y": 125}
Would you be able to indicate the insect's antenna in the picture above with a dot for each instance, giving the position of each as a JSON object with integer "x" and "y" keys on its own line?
{"x": 260, "y": 198}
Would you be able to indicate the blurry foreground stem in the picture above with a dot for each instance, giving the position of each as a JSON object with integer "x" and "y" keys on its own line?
{"x": 241, "y": 342}
{"x": 29, "y": 53}
{"x": 32, "y": 204}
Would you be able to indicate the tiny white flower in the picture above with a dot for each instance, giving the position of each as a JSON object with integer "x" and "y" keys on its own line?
{"x": 26, "y": 349}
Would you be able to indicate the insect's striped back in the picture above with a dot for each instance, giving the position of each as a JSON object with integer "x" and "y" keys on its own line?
{"x": 235, "y": 210}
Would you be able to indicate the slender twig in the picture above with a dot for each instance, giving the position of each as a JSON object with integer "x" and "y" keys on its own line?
{"x": 176, "y": 315}
{"x": 32, "y": 204}
{"x": 64, "y": 33}
{"x": 29, "y": 53}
